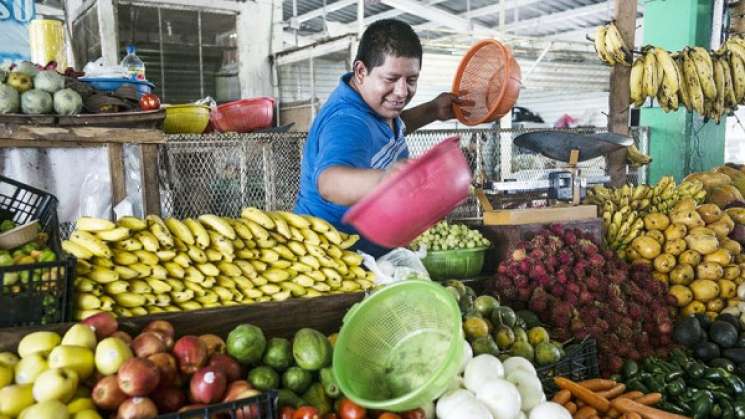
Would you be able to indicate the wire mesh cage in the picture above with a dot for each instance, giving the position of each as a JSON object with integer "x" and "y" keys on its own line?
{"x": 223, "y": 173}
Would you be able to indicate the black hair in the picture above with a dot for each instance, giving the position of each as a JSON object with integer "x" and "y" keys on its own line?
{"x": 388, "y": 37}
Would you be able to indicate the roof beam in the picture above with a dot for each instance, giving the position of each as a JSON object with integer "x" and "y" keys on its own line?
{"x": 497, "y": 8}
{"x": 338, "y": 5}
{"x": 557, "y": 17}
{"x": 438, "y": 16}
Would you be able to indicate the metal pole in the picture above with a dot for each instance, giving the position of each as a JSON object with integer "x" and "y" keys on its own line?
{"x": 716, "y": 24}
{"x": 162, "y": 60}
{"x": 294, "y": 14}
{"x": 201, "y": 59}
{"x": 360, "y": 17}
{"x": 312, "y": 88}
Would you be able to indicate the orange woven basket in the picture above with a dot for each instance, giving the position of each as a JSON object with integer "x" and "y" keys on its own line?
{"x": 489, "y": 76}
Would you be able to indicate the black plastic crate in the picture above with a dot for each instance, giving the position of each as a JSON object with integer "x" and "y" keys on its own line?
{"x": 38, "y": 293}
{"x": 580, "y": 363}
{"x": 263, "y": 406}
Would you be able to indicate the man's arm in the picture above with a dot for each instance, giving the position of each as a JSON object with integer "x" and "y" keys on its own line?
{"x": 438, "y": 109}
{"x": 345, "y": 185}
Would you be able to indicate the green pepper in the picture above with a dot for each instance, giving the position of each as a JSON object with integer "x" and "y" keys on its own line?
{"x": 648, "y": 364}
{"x": 674, "y": 376}
{"x": 696, "y": 370}
{"x": 714, "y": 374}
{"x": 329, "y": 383}
{"x": 316, "y": 397}
{"x": 716, "y": 411}
{"x": 735, "y": 384}
{"x": 675, "y": 387}
{"x": 287, "y": 397}
{"x": 616, "y": 377}
{"x": 671, "y": 407}
{"x": 679, "y": 357}
{"x": 728, "y": 412}
{"x": 739, "y": 408}
{"x": 702, "y": 406}
{"x": 635, "y": 384}
{"x": 656, "y": 384}
{"x": 630, "y": 368}
{"x": 704, "y": 384}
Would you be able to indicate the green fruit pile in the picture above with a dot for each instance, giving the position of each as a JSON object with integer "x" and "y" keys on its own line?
{"x": 444, "y": 236}
{"x": 498, "y": 330}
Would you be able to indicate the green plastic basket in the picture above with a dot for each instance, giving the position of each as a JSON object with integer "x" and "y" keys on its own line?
{"x": 400, "y": 348}
{"x": 454, "y": 264}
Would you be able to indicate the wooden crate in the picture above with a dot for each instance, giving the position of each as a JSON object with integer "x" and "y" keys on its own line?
{"x": 281, "y": 319}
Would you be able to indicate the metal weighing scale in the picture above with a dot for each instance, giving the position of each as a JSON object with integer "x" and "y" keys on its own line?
{"x": 566, "y": 185}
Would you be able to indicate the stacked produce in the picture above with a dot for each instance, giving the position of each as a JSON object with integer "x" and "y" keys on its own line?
{"x": 136, "y": 266}
{"x": 444, "y": 236}
{"x": 581, "y": 291}
{"x": 724, "y": 185}
{"x": 492, "y": 389}
{"x": 688, "y": 387}
{"x": 498, "y": 330}
{"x": 606, "y": 398}
{"x": 32, "y": 91}
{"x": 719, "y": 343}
{"x": 623, "y": 208}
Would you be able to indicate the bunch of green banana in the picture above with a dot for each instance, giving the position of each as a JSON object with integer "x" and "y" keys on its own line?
{"x": 610, "y": 47}
{"x": 140, "y": 266}
{"x": 624, "y": 208}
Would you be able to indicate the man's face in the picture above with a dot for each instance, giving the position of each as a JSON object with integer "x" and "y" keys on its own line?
{"x": 388, "y": 88}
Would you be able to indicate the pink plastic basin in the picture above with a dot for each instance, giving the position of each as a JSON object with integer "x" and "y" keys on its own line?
{"x": 414, "y": 199}
{"x": 244, "y": 115}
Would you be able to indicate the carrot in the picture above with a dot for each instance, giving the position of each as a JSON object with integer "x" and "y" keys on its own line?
{"x": 646, "y": 412}
{"x": 594, "y": 417}
{"x": 597, "y": 384}
{"x": 614, "y": 392}
{"x": 562, "y": 397}
{"x": 633, "y": 415}
{"x": 571, "y": 407}
{"x": 631, "y": 395}
{"x": 650, "y": 399}
{"x": 599, "y": 403}
{"x": 580, "y": 403}
{"x": 585, "y": 413}
{"x": 613, "y": 413}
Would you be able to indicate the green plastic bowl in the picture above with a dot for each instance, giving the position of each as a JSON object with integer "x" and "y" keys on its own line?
{"x": 186, "y": 119}
{"x": 400, "y": 348}
{"x": 454, "y": 264}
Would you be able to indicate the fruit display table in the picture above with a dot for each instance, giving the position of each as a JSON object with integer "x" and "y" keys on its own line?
{"x": 279, "y": 319}
{"x": 33, "y": 136}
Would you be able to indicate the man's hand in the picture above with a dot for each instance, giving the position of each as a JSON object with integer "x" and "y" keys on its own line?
{"x": 442, "y": 105}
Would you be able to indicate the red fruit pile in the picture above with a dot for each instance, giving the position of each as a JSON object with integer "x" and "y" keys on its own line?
{"x": 582, "y": 290}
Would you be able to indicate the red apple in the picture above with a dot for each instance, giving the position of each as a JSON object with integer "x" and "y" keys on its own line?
{"x": 137, "y": 408}
{"x": 225, "y": 363}
{"x": 124, "y": 336}
{"x": 138, "y": 376}
{"x": 167, "y": 368}
{"x": 214, "y": 343}
{"x": 207, "y": 385}
{"x": 147, "y": 343}
{"x": 167, "y": 340}
{"x": 103, "y": 323}
{"x": 191, "y": 354}
{"x": 161, "y": 325}
{"x": 106, "y": 394}
{"x": 168, "y": 399}
{"x": 235, "y": 388}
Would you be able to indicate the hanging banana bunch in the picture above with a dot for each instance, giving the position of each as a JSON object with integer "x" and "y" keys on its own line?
{"x": 610, "y": 47}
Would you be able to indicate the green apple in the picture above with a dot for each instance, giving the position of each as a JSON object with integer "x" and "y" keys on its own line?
{"x": 15, "y": 398}
{"x": 28, "y": 368}
{"x": 77, "y": 358}
{"x": 38, "y": 342}
{"x": 79, "y": 404}
{"x": 49, "y": 409}
{"x": 80, "y": 335}
{"x": 87, "y": 414}
{"x": 55, "y": 384}
{"x": 111, "y": 353}
{"x": 8, "y": 358}
{"x": 6, "y": 375}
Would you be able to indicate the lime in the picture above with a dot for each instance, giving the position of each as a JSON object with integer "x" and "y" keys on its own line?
{"x": 485, "y": 304}
{"x": 475, "y": 327}
{"x": 523, "y": 349}
{"x": 547, "y": 353}
{"x": 538, "y": 335}
{"x": 505, "y": 337}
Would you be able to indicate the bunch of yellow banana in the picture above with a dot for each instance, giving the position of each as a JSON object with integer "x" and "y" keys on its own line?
{"x": 610, "y": 47}
{"x": 635, "y": 157}
{"x": 655, "y": 75}
{"x": 140, "y": 266}
{"x": 624, "y": 208}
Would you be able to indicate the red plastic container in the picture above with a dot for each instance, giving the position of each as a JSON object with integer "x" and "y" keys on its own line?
{"x": 244, "y": 115}
{"x": 414, "y": 199}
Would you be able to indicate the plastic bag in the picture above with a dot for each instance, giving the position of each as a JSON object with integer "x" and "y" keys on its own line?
{"x": 96, "y": 69}
{"x": 397, "y": 265}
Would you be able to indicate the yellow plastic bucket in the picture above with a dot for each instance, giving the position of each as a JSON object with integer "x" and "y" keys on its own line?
{"x": 47, "y": 42}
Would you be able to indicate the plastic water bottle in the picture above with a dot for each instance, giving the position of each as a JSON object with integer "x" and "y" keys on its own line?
{"x": 133, "y": 64}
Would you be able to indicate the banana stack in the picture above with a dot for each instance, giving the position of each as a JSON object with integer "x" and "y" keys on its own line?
{"x": 623, "y": 209}
{"x": 610, "y": 47}
{"x": 140, "y": 266}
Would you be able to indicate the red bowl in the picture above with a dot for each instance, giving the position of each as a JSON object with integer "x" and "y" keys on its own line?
{"x": 414, "y": 199}
{"x": 244, "y": 115}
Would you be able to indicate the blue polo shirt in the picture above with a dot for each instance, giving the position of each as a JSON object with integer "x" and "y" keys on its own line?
{"x": 346, "y": 132}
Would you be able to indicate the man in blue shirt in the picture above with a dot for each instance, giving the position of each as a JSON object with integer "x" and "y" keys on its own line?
{"x": 357, "y": 138}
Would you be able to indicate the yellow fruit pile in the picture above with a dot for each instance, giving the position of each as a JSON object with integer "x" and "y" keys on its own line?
{"x": 139, "y": 266}
{"x": 623, "y": 209}
{"x": 690, "y": 250}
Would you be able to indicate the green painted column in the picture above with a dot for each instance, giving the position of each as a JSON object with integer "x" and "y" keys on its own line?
{"x": 680, "y": 142}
